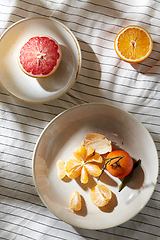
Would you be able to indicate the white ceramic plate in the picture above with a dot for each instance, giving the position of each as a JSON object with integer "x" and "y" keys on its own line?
{"x": 31, "y": 89}
{"x": 63, "y": 134}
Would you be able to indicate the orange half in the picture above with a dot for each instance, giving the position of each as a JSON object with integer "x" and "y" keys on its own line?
{"x": 133, "y": 44}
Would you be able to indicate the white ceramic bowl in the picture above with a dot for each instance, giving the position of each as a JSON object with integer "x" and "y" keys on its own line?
{"x": 30, "y": 89}
{"x": 63, "y": 134}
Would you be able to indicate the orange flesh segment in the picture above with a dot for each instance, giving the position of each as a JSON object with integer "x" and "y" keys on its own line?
{"x": 83, "y": 164}
{"x": 73, "y": 168}
{"x": 84, "y": 175}
{"x": 93, "y": 169}
{"x": 75, "y": 202}
{"x": 100, "y": 195}
{"x": 61, "y": 169}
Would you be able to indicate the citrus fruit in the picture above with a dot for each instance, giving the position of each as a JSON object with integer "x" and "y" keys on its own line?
{"x": 61, "y": 169}
{"x": 39, "y": 56}
{"x": 75, "y": 201}
{"x": 83, "y": 164}
{"x": 100, "y": 195}
{"x": 119, "y": 163}
{"x": 133, "y": 44}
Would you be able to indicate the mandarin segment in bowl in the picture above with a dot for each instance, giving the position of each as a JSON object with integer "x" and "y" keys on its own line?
{"x": 100, "y": 195}
{"x": 84, "y": 163}
{"x": 39, "y": 56}
{"x": 75, "y": 201}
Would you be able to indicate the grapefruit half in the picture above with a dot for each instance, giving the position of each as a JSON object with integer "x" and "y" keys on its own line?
{"x": 39, "y": 56}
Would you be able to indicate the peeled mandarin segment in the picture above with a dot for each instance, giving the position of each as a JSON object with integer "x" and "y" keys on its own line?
{"x": 96, "y": 158}
{"x": 93, "y": 169}
{"x": 73, "y": 168}
{"x": 75, "y": 201}
{"x": 100, "y": 195}
{"x": 84, "y": 175}
{"x": 133, "y": 44}
{"x": 80, "y": 153}
{"x": 61, "y": 169}
{"x": 90, "y": 151}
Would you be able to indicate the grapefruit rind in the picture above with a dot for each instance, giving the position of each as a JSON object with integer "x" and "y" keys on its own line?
{"x": 54, "y": 68}
{"x": 129, "y": 59}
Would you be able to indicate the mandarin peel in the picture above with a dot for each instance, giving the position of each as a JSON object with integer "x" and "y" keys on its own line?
{"x": 98, "y": 142}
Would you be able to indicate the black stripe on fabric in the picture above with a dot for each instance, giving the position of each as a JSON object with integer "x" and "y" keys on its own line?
{"x": 31, "y": 109}
{"x": 118, "y": 235}
{"x": 23, "y": 183}
{"x": 21, "y": 123}
{"x": 77, "y": 23}
{"x": 16, "y": 139}
{"x": 151, "y": 207}
{"x": 20, "y": 131}
{"x": 106, "y": 7}
{"x": 31, "y": 229}
{"x": 12, "y": 232}
{"x": 145, "y": 223}
{"x": 116, "y": 75}
{"x": 140, "y": 231}
{"x": 112, "y": 100}
{"x": 15, "y": 164}
{"x": 142, "y": 6}
{"x": 46, "y": 225}
{"x": 120, "y": 68}
{"x": 149, "y": 215}
{"x": 76, "y": 98}
{"x": 17, "y": 156}
{"x": 91, "y": 86}
{"x": 24, "y": 115}
{"x": 145, "y": 114}
{"x": 84, "y": 17}
{"x": 18, "y": 173}
{"x": 19, "y": 148}
{"x": 19, "y": 191}
{"x": 52, "y": 217}
{"x": 120, "y": 3}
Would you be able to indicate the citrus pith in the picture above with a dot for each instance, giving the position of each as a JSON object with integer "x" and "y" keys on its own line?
{"x": 133, "y": 44}
{"x": 39, "y": 56}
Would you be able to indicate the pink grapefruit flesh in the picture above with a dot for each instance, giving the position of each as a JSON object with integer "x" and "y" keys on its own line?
{"x": 39, "y": 56}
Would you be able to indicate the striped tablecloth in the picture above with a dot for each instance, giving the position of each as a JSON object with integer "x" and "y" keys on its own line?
{"x": 103, "y": 78}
